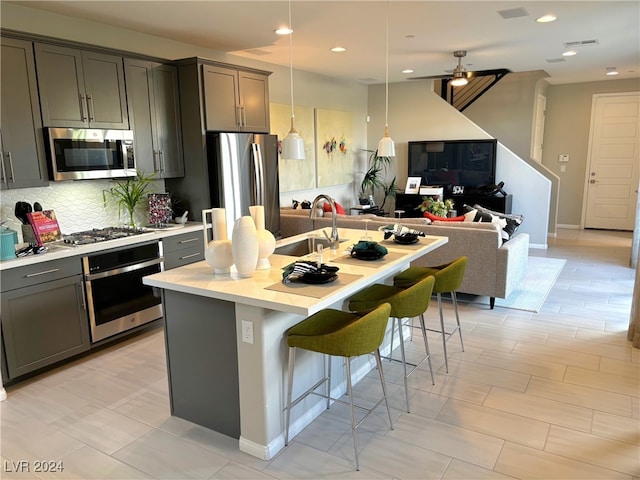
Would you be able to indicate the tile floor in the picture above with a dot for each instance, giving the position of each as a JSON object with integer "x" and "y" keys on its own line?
{"x": 552, "y": 395}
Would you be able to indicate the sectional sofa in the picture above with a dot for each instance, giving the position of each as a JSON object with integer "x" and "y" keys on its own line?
{"x": 495, "y": 268}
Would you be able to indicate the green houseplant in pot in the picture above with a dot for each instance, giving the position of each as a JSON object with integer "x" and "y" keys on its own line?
{"x": 128, "y": 193}
{"x": 435, "y": 207}
{"x": 373, "y": 179}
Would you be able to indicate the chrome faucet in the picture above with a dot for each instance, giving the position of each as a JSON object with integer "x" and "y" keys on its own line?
{"x": 334, "y": 240}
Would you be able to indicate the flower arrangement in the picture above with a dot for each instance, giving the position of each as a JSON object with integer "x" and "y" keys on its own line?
{"x": 436, "y": 207}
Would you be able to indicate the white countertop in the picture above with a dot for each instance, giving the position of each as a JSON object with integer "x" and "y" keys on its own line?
{"x": 59, "y": 250}
{"x": 198, "y": 278}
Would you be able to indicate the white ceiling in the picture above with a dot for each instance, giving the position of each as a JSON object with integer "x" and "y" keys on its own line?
{"x": 422, "y": 34}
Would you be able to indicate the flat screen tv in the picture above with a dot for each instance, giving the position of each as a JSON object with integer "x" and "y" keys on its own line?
{"x": 449, "y": 163}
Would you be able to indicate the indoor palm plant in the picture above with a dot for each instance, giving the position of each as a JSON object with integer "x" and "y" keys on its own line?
{"x": 128, "y": 193}
{"x": 374, "y": 179}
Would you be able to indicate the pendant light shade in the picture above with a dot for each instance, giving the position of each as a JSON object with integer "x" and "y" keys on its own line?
{"x": 292, "y": 144}
{"x": 386, "y": 146}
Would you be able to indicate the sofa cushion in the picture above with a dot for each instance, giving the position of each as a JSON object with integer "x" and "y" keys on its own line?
{"x": 326, "y": 206}
{"x": 507, "y": 223}
{"x": 434, "y": 218}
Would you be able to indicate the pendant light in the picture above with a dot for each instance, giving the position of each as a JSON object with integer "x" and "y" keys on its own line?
{"x": 292, "y": 145}
{"x": 386, "y": 147}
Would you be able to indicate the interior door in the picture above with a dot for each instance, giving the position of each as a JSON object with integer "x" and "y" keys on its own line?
{"x": 614, "y": 162}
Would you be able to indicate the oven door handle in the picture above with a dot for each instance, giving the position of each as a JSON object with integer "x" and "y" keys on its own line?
{"x": 121, "y": 270}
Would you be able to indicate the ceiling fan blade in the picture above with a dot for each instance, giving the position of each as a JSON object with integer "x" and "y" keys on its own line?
{"x": 486, "y": 73}
{"x": 432, "y": 77}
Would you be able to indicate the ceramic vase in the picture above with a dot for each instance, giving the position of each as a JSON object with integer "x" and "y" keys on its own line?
{"x": 217, "y": 252}
{"x": 244, "y": 245}
{"x": 266, "y": 240}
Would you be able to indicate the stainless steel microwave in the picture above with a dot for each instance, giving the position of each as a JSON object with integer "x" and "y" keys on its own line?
{"x": 87, "y": 153}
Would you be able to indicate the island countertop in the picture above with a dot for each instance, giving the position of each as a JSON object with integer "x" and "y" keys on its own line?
{"x": 198, "y": 278}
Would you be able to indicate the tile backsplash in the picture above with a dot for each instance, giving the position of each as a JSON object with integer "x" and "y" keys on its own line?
{"x": 78, "y": 205}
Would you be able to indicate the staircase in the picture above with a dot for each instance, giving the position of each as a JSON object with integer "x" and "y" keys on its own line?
{"x": 461, "y": 97}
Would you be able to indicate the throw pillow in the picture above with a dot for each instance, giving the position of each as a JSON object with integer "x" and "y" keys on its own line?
{"x": 326, "y": 206}
{"x": 512, "y": 220}
{"x": 433, "y": 218}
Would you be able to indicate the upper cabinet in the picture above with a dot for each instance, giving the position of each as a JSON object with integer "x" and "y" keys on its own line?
{"x": 235, "y": 100}
{"x": 154, "y": 113}
{"x": 79, "y": 88}
{"x": 23, "y": 163}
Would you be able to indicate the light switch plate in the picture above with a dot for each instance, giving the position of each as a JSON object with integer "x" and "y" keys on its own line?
{"x": 563, "y": 158}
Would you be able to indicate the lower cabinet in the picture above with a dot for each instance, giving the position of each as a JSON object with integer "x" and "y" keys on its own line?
{"x": 183, "y": 249}
{"x": 44, "y": 322}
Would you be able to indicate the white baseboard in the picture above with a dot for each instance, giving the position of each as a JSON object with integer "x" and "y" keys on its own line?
{"x": 570, "y": 227}
{"x": 539, "y": 246}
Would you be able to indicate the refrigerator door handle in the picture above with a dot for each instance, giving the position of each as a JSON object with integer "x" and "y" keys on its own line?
{"x": 259, "y": 173}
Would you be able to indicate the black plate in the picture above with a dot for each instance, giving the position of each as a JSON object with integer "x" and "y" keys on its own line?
{"x": 318, "y": 277}
{"x": 406, "y": 239}
{"x": 367, "y": 254}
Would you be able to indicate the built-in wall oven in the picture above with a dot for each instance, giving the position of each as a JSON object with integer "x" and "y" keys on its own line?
{"x": 116, "y": 298}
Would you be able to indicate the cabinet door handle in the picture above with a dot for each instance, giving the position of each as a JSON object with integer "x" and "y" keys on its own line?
{"x": 11, "y": 176}
{"x": 80, "y": 287}
{"x": 92, "y": 115}
{"x": 155, "y": 161}
{"x": 238, "y": 116}
{"x": 189, "y": 240}
{"x": 2, "y": 167}
{"x": 161, "y": 155}
{"x": 83, "y": 108}
{"x": 44, "y": 272}
{"x": 244, "y": 116}
{"x": 189, "y": 256}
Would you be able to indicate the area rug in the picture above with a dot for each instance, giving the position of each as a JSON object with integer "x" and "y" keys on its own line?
{"x": 530, "y": 295}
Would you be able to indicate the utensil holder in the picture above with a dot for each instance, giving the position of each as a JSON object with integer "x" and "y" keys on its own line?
{"x": 27, "y": 234}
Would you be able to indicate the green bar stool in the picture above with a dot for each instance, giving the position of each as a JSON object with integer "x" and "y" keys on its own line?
{"x": 405, "y": 303}
{"x": 341, "y": 334}
{"x": 448, "y": 279}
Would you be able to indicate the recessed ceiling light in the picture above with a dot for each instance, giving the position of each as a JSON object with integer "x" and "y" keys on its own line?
{"x": 546, "y": 18}
{"x": 612, "y": 71}
{"x": 407, "y": 70}
{"x": 569, "y": 53}
{"x": 284, "y": 31}
{"x": 338, "y": 49}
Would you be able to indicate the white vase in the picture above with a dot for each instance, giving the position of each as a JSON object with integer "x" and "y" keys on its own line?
{"x": 217, "y": 252}
{"x": 244, "y": 245}
{"x": 266, "y": 240}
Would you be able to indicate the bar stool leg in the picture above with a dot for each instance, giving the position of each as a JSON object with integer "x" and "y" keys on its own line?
{"x": 384, "y": 388}
{"x": 354, "y": 434}
{"x": 292, "y": 358}
{"x": 455, "y": 307}
{"x": 444, "y": 334}
{"x": 404, "y": 362}
{"x": 426, "y": 346}
{"x": 328, "y": 377}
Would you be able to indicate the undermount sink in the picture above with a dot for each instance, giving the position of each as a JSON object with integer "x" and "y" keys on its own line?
{"x": 303, "y": 247}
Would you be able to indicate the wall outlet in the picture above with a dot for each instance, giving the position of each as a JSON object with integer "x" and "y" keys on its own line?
{"x": 563, "y": 158}
{"x": 247, "y": 331}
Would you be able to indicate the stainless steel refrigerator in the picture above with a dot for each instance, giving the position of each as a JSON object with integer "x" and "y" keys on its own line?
{"x": 243, "y": 171}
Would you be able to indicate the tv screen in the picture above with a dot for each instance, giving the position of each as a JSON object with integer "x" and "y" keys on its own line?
{"x": 448, "y": 163}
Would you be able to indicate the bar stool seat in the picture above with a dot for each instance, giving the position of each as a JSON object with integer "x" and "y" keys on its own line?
{"x": 342, "y": 334}
{"x": 448, "y": 278}
{"x": 405, "y": 303}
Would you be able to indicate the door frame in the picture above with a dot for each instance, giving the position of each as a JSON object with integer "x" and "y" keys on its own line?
{"x": 585, "y": 187}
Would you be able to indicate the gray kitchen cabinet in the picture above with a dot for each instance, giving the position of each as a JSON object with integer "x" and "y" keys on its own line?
{"x": 154, "y": 113}
{"x": 80, "y": 88}
{"x": 183, "y": 249}
{"x": 23, "y": 161}
{"x": 235, "y": 100}
{"x": 44, "y": 316}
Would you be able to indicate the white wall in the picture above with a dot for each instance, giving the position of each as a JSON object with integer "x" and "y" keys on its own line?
{"x": 416, "y": 113}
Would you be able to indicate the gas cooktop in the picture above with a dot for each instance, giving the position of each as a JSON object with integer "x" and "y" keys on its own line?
{"x": 101, "y": 235}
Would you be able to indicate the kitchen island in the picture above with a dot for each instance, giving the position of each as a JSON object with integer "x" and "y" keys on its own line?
{"x": 226, "y": 354}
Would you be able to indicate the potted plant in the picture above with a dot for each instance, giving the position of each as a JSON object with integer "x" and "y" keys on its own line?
{"x": 435, "y": 207}
{"x": 128, "y": 193}
{"x": 373, "y": 177}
